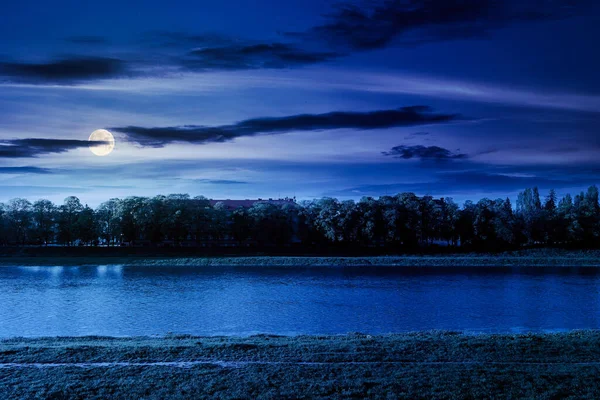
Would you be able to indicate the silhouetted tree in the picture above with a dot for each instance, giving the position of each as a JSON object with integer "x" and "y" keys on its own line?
{"x": 86, "y": 229}
{"x": 44, "y": 214}
{"x": 3, "y": 225}
{"x": 200, "y": 222}
{"x": 67, "y": 220}
{"x": 402, "y": 222}
{"x": 18, "y": 218}
{"x": 587, "y": 215}
{"x": 108, "y": 221}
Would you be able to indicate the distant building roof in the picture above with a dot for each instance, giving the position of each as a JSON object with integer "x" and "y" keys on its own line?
{"x": 247, "y": 203}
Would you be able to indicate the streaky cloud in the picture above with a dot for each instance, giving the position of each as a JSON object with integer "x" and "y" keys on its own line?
{"x": 404, "y": 116}
{"x": 64, "y": 71}
{"x": 253, "y": 56}
{"x": 326, "y": 79}
{"x": 24, "y": 170}
{"x": 221, "y": 181}
{"x": 193, "y": 53}
{"x": 377, "y": 24}
{"x": 33, "y": 147}
{"x": 423, "y": 153}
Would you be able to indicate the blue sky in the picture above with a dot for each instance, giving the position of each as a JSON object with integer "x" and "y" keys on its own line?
{"x": 247, "y": 99}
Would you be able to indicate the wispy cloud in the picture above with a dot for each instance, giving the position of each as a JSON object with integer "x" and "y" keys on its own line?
{"x": 423, "y": 153}
{"x": 429, "y": 86}
{"x": 160, "y": 54}
{"x": 376, "y": 24}
{"x": 350, "y": 27}
{"x": 327, "y": 79}
{"x": 64, "y": 71}
{"x": 33, "y": 147}
{"x": 220, "y": 181}
{"x": 24, "y": 170}
{"x": 404, "y": 116}
{"x": 253, "y": 56}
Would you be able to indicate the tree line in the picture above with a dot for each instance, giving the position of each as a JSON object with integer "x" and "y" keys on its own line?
{"x": 403, "y": 222}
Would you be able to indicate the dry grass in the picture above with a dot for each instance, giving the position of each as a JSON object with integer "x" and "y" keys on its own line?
{"x": 420, "y": 365}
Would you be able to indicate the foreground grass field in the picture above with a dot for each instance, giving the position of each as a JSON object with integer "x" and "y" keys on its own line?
{"x": 104, "y": 256}
{"x": 420, "y": 365}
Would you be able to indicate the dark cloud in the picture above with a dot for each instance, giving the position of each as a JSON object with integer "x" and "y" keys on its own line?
{"x": 24, "y": 170}
{"x": 253, "y": 56}
{"x": 351, "y": 27}
{"x": 87, "y": 40}
{"x": 160, "y": 53}
{"x": 208, "y": 53}
{"x": 423, "y": 152}
{"x": 68, "y": 70}
{"x": 211, "y": 51}
{"x": 405, "y": 116}
{"x": 376, "y": 24}
{"x": 33, "y": 147}
{"x": 221, "y": 181}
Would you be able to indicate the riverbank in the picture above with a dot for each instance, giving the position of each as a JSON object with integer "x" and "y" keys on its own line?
{"x": 417, "y": 365}
{"x": 76, "y": 257}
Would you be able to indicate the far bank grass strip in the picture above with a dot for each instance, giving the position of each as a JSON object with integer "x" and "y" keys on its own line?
{"x": 592, "y": 261}
{"x": 241, "y": 364}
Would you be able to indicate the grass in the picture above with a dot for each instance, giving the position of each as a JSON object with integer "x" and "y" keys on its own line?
{"x": 418, "y": 365}
{"x": 526, "y": 258}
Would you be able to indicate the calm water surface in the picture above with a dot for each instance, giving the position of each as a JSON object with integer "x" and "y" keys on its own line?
{"x": 122, "y": 301}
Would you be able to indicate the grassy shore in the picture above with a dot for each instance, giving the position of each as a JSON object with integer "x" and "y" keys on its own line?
{"x": 419, "y": 365}
{"x": 527, "y": 258}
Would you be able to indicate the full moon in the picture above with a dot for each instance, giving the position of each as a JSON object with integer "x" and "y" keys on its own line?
{"x": 102, "y": 135}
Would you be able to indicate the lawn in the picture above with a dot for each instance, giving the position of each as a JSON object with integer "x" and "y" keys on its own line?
{"x": 418, "y": 365}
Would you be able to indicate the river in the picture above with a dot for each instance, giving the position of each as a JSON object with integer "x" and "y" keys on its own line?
{"x": 131, "y": 301}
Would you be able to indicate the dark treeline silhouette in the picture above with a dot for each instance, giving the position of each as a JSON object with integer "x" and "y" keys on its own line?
{"x": 403, "y": 222}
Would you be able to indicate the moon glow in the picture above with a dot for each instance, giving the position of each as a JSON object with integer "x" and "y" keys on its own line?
{"x": 102, "y": 135}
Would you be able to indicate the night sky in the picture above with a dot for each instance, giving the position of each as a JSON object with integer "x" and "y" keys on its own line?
{"x": 257, "y": 98}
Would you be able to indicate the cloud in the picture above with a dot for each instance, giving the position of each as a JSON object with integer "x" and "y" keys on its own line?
{"x": 381, "y": 23}
{"x": 337, "y": 79}
{"x": 404, "y": 116}
{"x": 24, "y": 170}
{"x": 423, "y": 152}
{"x": 253, "y": 56}
{"x": 211, "y": 51}
{"x": 68, "y": 70}
{"x": 87, "y": 40}
{"x": 189, "y": 53}
{"x": 351, "y": 27}
{"x": 221, "y": 181}
{"x": 33, "y": 147}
